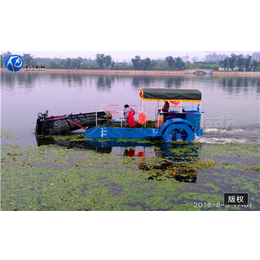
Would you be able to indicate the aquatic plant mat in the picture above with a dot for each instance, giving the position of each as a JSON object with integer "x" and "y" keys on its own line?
{"x": 188, "y": 177}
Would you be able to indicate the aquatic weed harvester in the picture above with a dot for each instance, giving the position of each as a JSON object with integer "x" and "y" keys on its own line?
{"x": 180, "y": 123}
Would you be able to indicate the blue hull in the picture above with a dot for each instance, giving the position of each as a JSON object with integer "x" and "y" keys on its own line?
{"x": 171, "y": 130}
{"x": 120, "y": 132}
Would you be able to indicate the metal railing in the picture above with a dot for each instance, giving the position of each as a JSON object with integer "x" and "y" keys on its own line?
{"x": 120, "y": 112}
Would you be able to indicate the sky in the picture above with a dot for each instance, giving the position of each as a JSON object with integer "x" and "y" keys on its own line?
{"x": 127, "y": 27}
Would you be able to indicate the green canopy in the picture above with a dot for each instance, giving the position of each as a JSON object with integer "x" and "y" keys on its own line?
{"x": 160, "y": 94}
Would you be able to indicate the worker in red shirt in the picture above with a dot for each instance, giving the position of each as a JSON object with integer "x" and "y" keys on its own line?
{"x": 129, "y": 116}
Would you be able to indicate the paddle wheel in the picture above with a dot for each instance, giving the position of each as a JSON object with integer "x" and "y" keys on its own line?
{"x": 176, "y": 132}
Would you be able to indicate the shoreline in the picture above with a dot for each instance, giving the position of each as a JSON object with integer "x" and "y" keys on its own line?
{"x": 134, "y": 72}
{"x": 236, "y": 73}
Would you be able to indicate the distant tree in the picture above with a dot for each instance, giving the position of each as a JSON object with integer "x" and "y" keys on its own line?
{"x": 247, "y": 62}
{"x": 54, "y": 65}
{"x": 113, "y": 64}
{"x": 214, "y": 67}
{"x": 100, "y": 60}
{"x": 79, "y": 62}
{"x": 68, "y": 63}
{"x": 240, "y": 62}
{"x": 221, "y": 62}
{"x": 137, "y": 62}
{"x": 170, "y": 60}
{"x": 42, "y": 61}
{"x": 146, "y": 64}
{"x": 104, "y": 62}
{"x": 63, "y": 63}
{"x": 142, "y": 64}
{"x": 107, "y": 61}
{"x": 225, "y": 63}
{"x": 232, "y": 60}
{"x": 258, "y": 66}
{"x": 74, "y": 63}
{"x": 255, "y": 64}
{"x": 160, "y": 65}
{"x": 179, "y": 64}
{"x": 28, "y": 60}
{"x": 123, "y": 66}
{"x": 3, "y": 58}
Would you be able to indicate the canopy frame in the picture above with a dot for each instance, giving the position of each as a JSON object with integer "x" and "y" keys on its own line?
{"x": 157, "y": 94}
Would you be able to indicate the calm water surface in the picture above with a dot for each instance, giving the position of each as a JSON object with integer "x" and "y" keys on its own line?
{"x": 231, "y": 104}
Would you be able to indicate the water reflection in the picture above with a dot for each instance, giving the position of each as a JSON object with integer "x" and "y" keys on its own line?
{"x": 104, "y": 82}
{"x": 67, "y": 79}
{"x": 28, "y": 78}
{"x": 170, "y": 160}
{"x": 8, "y": 80}
{"x": 142, "y": 81}
{"x": 158, "y": 81}
{"x": 239, "y": 84}
{"x": 229, "y": 84}
{"x": 174, "y": 82}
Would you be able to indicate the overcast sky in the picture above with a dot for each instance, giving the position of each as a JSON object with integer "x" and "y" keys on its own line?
{"x": 124, "y": 29}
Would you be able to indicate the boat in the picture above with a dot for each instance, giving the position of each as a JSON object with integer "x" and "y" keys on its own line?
{"x": 181, "y": 122}
{"x": 64, "y": 124}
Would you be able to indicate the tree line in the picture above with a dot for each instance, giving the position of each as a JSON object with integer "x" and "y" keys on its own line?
{"x": 105, "y": 62}
{"x": 240, "y": 63}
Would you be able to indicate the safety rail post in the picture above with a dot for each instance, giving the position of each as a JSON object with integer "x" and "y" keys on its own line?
{"x": 96, "y": 114}
{"x": 145, "y": 123}
{"x": 201, "y": 116}
{"x": 121, "y": 118}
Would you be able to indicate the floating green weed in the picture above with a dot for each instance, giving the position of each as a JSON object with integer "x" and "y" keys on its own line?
{"x": 50, "y": 178}
{"x": 231, "y": 150}
{"x": 8, "y": 135}
{"x": 212, "y": 186}
{"x": 255, "y": 168}
{"x": 71, "y": 137}
{"x": 11, "y": 146}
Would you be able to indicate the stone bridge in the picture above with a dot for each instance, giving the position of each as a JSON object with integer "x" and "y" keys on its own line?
{"x": 200, "y": 71}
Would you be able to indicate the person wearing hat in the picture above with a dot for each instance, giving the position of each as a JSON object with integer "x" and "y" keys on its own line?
{"x": 128, "y": 114}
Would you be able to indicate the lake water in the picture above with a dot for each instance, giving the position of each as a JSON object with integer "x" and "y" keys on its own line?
{"x": 231, "y": 104}
{"x": 90, "y": 175}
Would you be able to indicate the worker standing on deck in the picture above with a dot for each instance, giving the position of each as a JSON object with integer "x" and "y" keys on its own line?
{"x": 129, "y": 116}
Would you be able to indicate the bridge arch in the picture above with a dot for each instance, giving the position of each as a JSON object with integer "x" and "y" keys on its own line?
{"x": 200, "y": 71}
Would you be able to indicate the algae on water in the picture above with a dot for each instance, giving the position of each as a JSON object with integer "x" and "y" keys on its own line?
{"x": 51, "y": 178}
{"x": 8, "y": 135}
